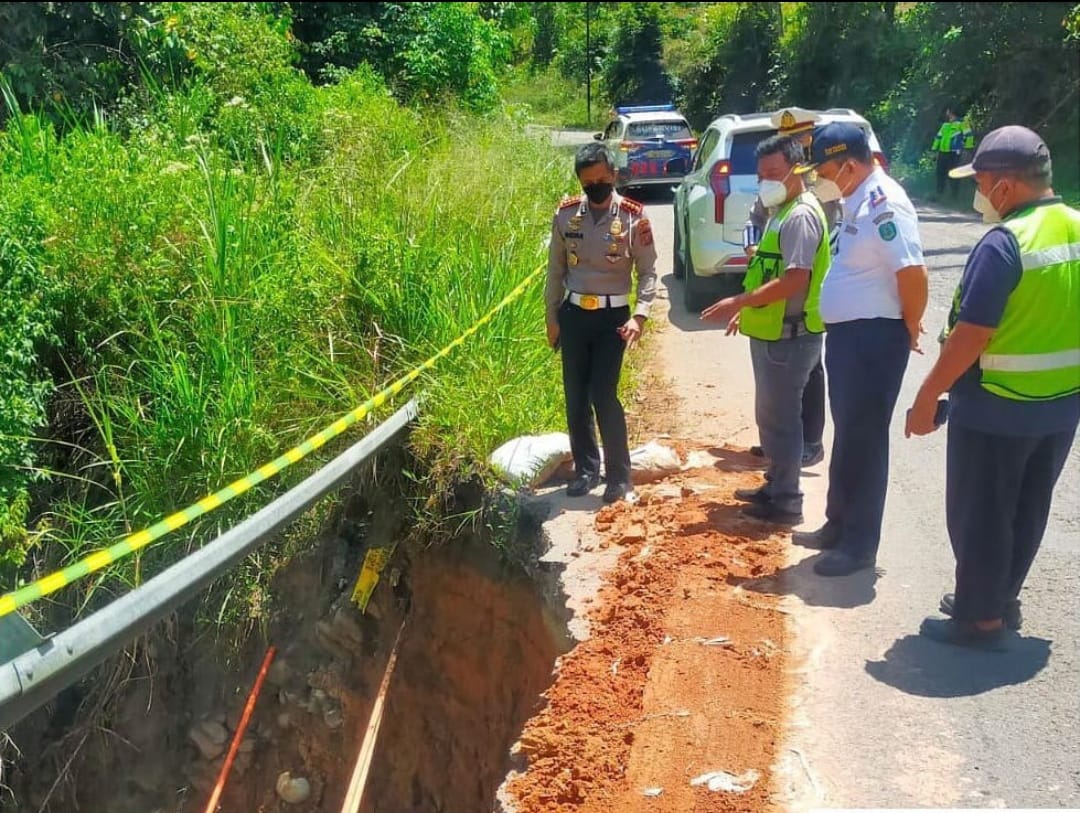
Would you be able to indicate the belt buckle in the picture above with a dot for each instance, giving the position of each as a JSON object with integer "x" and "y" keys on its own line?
{"x": 590, "y": 302}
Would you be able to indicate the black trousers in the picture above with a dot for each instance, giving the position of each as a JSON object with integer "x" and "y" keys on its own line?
{"x": 813, "y": 406}
{"x": 945, "y": 162}
{"x": 592, "y": 354}
{"x": 997, "y": 500}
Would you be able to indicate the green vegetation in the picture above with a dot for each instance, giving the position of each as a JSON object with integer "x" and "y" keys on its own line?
{"x": 213, "y": 268}
{"x": 223, "y": 225}
{"x": 899, "y": 64}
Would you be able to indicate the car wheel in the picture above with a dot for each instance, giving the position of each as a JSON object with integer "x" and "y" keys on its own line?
{"x": 678, "y": 266}
{"x": 695, "y": 295}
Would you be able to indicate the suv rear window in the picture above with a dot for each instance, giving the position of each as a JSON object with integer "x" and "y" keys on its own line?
{"x": 742, "y": 157}
{"x": 671, "y": 130}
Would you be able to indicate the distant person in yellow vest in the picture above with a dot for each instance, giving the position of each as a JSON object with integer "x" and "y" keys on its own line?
{"x": 798, "y": 123}
{"x": 947, "y": 146}
{"x": 1011, "y": 366}
{"x": 779, "y": 312}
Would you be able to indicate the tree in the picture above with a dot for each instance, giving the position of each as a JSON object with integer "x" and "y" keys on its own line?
{"x": 546, "y": 38}
{"x": 633, "y": 70}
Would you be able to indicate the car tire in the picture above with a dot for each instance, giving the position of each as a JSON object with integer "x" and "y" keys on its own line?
{"x": 678, "y": 266}
{"x": 695, "y": 295}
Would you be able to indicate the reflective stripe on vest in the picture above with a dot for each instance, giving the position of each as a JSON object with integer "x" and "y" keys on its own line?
{"x": 1034, "y": 353}
{"x": 767, "y": 321}
{"x": 1031, "y": 363}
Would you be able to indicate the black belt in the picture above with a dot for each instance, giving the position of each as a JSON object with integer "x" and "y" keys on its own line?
{"x": 794, "y": 326}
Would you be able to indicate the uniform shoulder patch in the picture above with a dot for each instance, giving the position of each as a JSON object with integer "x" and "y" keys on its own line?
{"x": 877, "y": 197}
{"x": 645, "y": 231}
{"x": 573, "y": 200}
{"x": 887, "y": 230}
{"x": 631, "y": 206}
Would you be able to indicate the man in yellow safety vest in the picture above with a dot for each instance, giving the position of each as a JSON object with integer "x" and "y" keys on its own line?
{"x": 1011, "y": 365}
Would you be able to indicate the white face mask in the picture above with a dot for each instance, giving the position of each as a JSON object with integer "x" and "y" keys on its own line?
{"x": 772, "y": 193}
{"x": 827, "y": 190}
{"x": 983, "y": 206}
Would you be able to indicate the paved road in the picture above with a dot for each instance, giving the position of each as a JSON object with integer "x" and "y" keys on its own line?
{"x": 882, "y": 717}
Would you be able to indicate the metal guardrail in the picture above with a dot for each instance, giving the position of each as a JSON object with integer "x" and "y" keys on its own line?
{"x": 32, "y": 678}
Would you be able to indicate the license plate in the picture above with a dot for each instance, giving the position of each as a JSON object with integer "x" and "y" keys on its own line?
{"x": 660, "y": 154}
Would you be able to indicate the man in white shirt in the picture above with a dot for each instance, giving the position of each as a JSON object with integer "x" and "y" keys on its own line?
{"x": 872, "y": 303}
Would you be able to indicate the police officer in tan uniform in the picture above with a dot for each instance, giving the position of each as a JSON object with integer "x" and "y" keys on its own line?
{"x": 595, "y": 240}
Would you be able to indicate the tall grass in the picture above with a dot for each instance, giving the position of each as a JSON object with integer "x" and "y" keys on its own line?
{"x": 218, "y": 302}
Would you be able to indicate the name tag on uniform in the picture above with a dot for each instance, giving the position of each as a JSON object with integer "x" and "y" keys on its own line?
{"x": 849, "y": 229}
{"x": 570, "y": 235}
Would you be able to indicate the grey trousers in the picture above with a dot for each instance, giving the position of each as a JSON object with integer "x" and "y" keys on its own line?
{"x": 781, "y": 370}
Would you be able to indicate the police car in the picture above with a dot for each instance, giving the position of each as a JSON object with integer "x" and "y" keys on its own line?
{"x": 652, "y": 145}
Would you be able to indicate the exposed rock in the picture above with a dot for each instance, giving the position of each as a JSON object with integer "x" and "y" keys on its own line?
{"x": 293, "y": 790}
{"x": 209, "y": 737}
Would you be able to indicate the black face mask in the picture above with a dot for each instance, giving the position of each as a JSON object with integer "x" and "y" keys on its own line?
{"x": 598, "y": 192}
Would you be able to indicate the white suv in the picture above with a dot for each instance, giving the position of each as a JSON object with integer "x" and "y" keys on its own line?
{"x": 713, "y": 202}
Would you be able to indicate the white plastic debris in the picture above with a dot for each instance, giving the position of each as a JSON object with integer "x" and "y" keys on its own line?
{"x": 728, "y": 783}
{"x": 532, "y": 459}
{"x": 652, "y": 462}
{"x": 719, "y": 640}
{"x": 653, "y": 792}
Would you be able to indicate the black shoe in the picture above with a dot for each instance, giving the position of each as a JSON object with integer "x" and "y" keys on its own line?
{"x": 957, "y": 633}
{"x": 826, "y": 537}
{"x": 770, "y": 512}
{"x": 813, "y": 453}
{"x": 582, "y": 485}
{"x": 619, "y": 491}
{"x": 757, "y": 451}
{"x": 1013, "y": 618}
{"x": 839, "y": 563}
{"x": 755, "y": 495}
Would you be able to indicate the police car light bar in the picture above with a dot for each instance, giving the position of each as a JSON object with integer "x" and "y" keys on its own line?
{"x": 648, "y": 108}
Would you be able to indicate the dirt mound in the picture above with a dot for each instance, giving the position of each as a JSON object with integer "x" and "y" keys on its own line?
{"x": 684, "y": 673}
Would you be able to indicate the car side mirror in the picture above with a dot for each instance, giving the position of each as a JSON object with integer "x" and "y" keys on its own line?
{"x": 598, "y": 136}
{"x": 676, "y": 166}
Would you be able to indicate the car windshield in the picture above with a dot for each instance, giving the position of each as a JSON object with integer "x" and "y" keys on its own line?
{"x": 671, "y": 130}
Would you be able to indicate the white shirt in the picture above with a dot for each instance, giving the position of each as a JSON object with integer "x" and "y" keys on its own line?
{"x": 877, "y": 236}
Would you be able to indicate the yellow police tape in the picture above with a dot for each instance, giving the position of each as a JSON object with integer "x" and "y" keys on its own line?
{"x": 137, "y": 541}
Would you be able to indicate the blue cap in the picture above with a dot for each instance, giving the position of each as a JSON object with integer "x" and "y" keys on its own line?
{"x": 836, "y": 140}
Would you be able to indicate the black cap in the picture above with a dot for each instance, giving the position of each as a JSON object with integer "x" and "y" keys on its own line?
{"x": 836, "y": 140}
{"x": 1012, "y": 148}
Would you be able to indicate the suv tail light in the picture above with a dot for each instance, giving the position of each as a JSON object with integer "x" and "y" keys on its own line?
{"x": 626, "y": 146}
{"x": 690, "y": 143}
{"x": 881, "y": 161}
{"x": 720, "y": 182}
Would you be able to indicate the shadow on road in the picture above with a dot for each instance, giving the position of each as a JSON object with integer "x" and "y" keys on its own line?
{"x": 683, "y": 319}
{"x": 925, "y": 668}
{"x": 845, "y": 592}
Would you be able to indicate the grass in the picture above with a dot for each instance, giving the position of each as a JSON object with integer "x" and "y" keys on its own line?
{"x": 553, "y": 100}
{"x": 219, "y": 301}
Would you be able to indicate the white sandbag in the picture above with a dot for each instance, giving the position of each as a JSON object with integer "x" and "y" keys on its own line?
{"x": 531, "y": 460}
{"x": 653, "y": 462}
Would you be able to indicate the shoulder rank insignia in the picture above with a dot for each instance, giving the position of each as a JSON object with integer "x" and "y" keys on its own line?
{"x": 573, "y": 200}
{"x": 631, "y": 206}
{"x": 877, "y": 197}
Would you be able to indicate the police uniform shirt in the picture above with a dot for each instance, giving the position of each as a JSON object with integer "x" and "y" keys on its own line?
{"x": 878, "y": 235}
{"x": 593, "y": 253}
